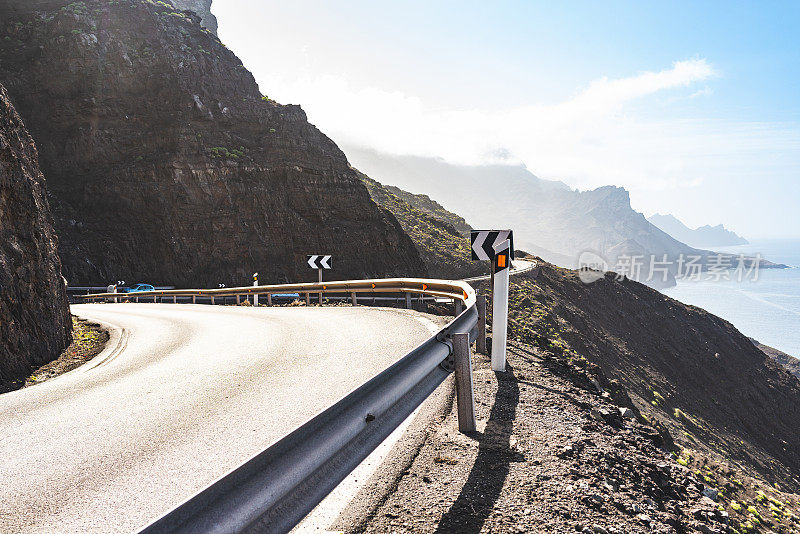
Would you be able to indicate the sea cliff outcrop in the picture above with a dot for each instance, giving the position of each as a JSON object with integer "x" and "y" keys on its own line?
{"x": 166, "y": 164}
{"x": 35, "y": 325}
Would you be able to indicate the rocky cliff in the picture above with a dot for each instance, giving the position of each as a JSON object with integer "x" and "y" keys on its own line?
{"x": 166, "y": 164}
{"x": 35, "y": 325}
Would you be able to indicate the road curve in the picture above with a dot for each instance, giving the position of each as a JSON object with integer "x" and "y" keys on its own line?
{"x": 183, "y": 394}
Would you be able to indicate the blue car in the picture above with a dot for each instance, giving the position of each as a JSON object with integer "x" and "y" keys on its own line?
{"x": 139, "y": 287}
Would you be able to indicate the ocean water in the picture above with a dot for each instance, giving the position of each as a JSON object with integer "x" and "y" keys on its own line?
{"x": 767, "y": 309}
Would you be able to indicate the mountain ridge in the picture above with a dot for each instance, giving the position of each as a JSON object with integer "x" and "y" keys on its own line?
{"x": 705, "y": 236}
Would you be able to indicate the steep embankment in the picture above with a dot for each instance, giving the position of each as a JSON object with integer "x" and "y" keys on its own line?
{"x": 166, "y": 164}
{"x": 35, "y": 325}
{"x": 683, "y": 367}
{"x": 441, "y": 237}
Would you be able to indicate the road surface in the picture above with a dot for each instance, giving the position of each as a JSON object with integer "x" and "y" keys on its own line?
{"x": 517, "y": 267}
{"x": 182, "y": 394}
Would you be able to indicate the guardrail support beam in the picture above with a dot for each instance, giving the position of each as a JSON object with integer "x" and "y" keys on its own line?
{"x": 174, "y": 299}
{"x": 212, "y": 299}
{"x": 238, "y": 299}
{"x": 354, "y": 298}
{"x": 480, "y": 343}
{"x": 465, "y": 397}
{"x": 269, "y": 299}
{"x": 308, "y": 299}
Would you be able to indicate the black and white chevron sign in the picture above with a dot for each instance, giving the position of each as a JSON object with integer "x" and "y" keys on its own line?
{"x": 485, "y": 242}
{"x": 319, "y": 262}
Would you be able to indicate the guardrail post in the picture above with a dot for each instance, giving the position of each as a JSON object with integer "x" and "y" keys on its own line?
{"x": 269, "y": 299}
{"x": 194, "y": 299}
{"x": 238, "y": 299}
{"x": 458, "y": 307}
{"x": 308, "y": 299}
{"x": 137, "y": 299}
{"x": 408, "y": 301}
{"x": 212, "y": 299}
{"x": 480, "y": 343}
{"x": 465, "y": 397}
{"x": 174, "y": 299}
{"x": 353, "y": 298}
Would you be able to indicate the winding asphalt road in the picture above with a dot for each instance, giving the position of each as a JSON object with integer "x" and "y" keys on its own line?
{"x": 182, "y": 394}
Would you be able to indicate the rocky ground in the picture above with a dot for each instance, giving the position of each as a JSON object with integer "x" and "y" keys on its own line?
{"x": 88, "y": 340}
{"x": 554, "y": 454}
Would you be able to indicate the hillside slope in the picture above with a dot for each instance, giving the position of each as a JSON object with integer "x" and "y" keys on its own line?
{"x": 165, "y": 163}
{"x": 35, "y": 325}
{"x": 683, "y": 367}
{"x": 441, "y": 237}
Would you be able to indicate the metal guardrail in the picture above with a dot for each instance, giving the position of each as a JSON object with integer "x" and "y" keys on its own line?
{"x": 439, "y": 288}
{"x": 274, "y": 490}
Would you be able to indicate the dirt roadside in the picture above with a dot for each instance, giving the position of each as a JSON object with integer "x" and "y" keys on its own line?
{"x": 554, "y": 454}
{"x": 88, "y": 340}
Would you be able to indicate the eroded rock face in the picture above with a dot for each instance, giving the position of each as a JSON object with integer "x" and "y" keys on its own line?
{"x": 166, "y": 165}
{"x": 35, "y": 325}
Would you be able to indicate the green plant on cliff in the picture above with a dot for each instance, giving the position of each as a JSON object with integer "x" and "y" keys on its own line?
{"x": 221, "y": 152}
{"x": 78, "y": 8}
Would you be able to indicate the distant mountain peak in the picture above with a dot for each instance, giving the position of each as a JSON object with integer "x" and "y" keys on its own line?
{"x": 705, "y": 236}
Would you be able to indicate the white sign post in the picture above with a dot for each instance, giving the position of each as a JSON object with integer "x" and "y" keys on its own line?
{"x": 501, "y": 262}
{"x": 255, "y": 295}
{"x": 319, "y": 262}
{"x": 498, "y": 247}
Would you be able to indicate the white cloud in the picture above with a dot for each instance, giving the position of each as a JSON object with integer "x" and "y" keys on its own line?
{"x": 587, "y": 141}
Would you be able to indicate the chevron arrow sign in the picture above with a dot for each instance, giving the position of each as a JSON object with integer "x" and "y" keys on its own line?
{"x": 319, "y": 262}
{"x": 485, "y": 243}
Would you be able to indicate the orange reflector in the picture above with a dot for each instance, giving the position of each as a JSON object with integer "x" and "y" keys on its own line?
{"x": 465, "y": 295}
{"x": 501, "y": 260}
{"x": 324, "y": 287}
{"x": 373, "y": 286}
{"x": 424, "y": 287}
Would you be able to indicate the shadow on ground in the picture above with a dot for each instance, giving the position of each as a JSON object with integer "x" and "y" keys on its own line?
{"x": 485, "y": 482}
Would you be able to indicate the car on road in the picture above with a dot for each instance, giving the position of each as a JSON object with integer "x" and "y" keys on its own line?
{"x": 138, "y": 287}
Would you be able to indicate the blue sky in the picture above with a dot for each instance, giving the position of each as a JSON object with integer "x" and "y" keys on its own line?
{"x": 692, "y": 106}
